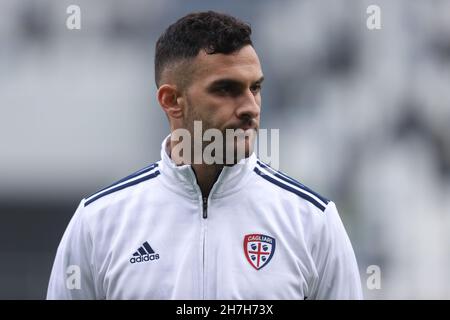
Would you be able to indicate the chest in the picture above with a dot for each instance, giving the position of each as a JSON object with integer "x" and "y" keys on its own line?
{"x": 237, "y": 252}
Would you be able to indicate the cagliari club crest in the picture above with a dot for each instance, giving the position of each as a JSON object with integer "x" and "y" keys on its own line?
{"x": 258, "y": 249}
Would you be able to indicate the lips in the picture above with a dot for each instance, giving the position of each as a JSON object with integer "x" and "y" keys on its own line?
{"x": 249, "y": 125}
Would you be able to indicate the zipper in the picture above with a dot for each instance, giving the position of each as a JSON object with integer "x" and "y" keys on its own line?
{"x": 205, "y": 207}
{"x": 204, "y": 231}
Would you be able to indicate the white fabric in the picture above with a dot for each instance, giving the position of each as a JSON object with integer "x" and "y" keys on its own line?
{"x": 202, "y": 258}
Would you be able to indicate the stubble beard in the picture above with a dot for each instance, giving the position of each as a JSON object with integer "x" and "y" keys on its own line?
{"x": 241, "y": 146}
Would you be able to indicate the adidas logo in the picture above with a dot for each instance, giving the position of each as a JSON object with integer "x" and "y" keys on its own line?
{"x": 144, "y": 253}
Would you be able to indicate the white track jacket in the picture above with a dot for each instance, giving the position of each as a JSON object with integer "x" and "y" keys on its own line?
{"x": 259, "y": 235}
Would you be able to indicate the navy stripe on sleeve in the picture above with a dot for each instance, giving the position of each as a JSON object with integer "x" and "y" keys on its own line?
{"x": 123, "y": 186}
{"x": 290, "y": 189}
{"x": 131, "y": 176}
{"x": 292, "y": 181}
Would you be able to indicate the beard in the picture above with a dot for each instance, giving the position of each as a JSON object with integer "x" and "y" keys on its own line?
{"x": 238, "y": 139}
{"x": 238, "y": 144}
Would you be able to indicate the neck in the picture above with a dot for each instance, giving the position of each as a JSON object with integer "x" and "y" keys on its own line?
{"x": 206, "y": 174}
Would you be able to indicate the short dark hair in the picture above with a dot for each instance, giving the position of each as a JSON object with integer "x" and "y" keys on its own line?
{"x": 210, "y": 31}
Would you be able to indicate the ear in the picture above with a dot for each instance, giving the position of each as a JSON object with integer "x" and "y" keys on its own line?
{"x": 168, "y": 97}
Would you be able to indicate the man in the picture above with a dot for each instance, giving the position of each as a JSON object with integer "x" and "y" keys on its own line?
{"x": 186, "y": 229}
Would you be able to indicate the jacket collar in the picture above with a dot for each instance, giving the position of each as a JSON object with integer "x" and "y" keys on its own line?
{"x": 182, "y": 179}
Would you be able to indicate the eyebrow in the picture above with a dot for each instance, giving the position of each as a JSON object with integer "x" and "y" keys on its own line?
{"x": 229, "y": 81}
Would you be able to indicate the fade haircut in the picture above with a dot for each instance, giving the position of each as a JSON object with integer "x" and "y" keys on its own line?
{"x": 209, "y": 31}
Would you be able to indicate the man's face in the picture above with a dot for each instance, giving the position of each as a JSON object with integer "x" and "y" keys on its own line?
{"x": 224, "y": 93}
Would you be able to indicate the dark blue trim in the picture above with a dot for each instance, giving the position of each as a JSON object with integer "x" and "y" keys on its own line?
{"x": 292, "y": 181}
{"x": 288, "y": 188}
{"x": 129, "y": 184}
{"x": 135, "y": 174}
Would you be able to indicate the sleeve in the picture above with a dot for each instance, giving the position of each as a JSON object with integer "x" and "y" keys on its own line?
{"x": 72, "y": 272}
{"x": 338, "y": 274}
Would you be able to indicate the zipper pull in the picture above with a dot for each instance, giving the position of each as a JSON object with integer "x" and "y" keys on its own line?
{"x": 205, "y": 208}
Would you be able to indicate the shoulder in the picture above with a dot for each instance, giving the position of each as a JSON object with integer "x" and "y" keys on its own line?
{"x": 124, "y": 186}
{"x": 286, "y": 184}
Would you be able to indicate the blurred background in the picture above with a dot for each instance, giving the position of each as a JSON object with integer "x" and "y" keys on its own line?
{"x": 364, "y": 118}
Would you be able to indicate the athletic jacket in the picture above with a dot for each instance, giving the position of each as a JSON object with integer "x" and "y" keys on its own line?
{"x": 259, "y": 235}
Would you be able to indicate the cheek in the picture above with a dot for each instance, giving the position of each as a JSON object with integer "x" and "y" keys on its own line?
{"x": 225, "y": 112}
{"x": 216, "y": 111}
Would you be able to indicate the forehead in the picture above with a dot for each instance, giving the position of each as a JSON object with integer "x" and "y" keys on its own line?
{"x": 242, "y": 65}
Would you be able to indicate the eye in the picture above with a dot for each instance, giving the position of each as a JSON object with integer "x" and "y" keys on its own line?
{"x": 227, "y": 90}
{"x": 223, "y": 90}
{"x": 256, "y": 88}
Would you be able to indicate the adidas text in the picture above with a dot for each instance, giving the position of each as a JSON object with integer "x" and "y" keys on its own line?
{"x": 144, "y": 258}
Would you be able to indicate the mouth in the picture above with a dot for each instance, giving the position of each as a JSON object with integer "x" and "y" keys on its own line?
{"x": 249, "y": 125}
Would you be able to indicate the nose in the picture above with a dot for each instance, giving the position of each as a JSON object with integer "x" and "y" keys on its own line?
{"x": 249, "y": 106}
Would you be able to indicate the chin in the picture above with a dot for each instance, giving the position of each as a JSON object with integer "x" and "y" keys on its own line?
{"x": 242, "y": 150}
